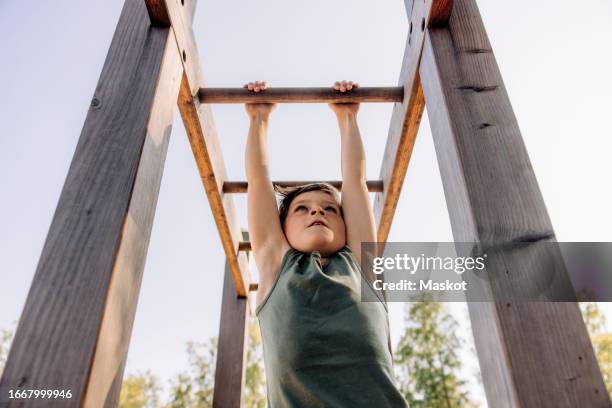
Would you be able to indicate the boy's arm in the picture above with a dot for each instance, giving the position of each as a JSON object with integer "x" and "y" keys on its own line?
{"x": 356, "y": 204}
{"x": 266, "y": 235}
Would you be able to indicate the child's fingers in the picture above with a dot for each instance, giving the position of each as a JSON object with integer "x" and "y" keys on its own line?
{"x": 256, "y": 86}
{"x": 344, "y": 86}
{"x": 260, "y": 86}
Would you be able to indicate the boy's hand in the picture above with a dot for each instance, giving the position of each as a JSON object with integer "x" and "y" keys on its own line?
{"x": 261, "y": 110}
{"x": 342, "y": 109}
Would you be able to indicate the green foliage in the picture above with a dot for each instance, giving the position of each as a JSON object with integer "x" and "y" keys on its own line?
{"x": 602, "y": 341}
{"x": 427, "y": 361}
{"x": 593, "y": 317}
{"x": 6, "y": 338}
{"x": 194, "y": 388}
{"x": 255, "y": 384}
{"x": 140, "y": 391}
{"x": 603, "y": 347}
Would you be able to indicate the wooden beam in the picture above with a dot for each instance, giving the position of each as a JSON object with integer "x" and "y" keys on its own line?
{"x": 158, "y": 13}
{"x": 76, "y": 324}
{"x": 120, "y": 307}
{"x": 406, "y": 115}
{"x": 301, "y": 95}
{"x": 408, "y": 6}
{"x": 190, "y": 7}
{"x": 531, "y": 354}
{"x": 179, "y": 15}
{"x": 202, "y": 133}
{"x": 232, "y": 345}
{"x": 204, "y": 141}
{"x": 241, "y": 186}
{"x": 200, "y": 128}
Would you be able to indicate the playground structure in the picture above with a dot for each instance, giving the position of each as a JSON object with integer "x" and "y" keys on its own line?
{"x": 76, "y": 324}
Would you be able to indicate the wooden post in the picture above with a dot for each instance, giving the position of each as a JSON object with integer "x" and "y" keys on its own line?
{"x": 77, "y": 320}
{"x": 406, "y": 116}
{"x": 232, "y": 344}
{"x": 200, "y": 127}
{"x": 531, "y": 354}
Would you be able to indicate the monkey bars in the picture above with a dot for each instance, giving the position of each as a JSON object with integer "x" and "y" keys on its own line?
{"x": 77, "y": 320}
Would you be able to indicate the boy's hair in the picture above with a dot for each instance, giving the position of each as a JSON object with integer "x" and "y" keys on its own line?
{"x": 288, "y": 194}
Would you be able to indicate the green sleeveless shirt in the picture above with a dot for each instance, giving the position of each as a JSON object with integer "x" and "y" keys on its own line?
{"x": 322, "y": 346}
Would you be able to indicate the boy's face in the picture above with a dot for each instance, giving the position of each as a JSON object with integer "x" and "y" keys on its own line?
{"x": 314, "y": 223}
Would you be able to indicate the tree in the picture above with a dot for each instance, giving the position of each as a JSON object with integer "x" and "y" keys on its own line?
{"x": 602, "y": 341}
{"x": 427, "y": 359}
{"x": 140, "y": 390}
{"x": 194, "y": 388}
{"x": 6, "y": 338}
{"x": 593, "y": 317}
{"x": 255, "y": 384}
{"x": 190, "y": 389}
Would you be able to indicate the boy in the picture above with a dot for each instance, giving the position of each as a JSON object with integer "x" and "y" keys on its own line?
{"x": 322, "y": 346}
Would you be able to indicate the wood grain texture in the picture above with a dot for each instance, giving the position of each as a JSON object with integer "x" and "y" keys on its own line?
{"x": 531, "y": 354}
{"x": 241, "y": 186}
{"x": 97, "y": 241}
{"x": 232, "y": 345}
{"x": 158, "y": 13}
{"x": 181, "y": 17}
{"x": 200, "y": 127}
{"x": 406, "y": 115}
{"x": 202, "y": 133}
{"x": 120, "y": 307}
{"x": 301, "y": 95}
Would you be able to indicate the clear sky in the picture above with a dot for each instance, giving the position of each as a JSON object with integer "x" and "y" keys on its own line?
{"x": 554, "y": 57}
